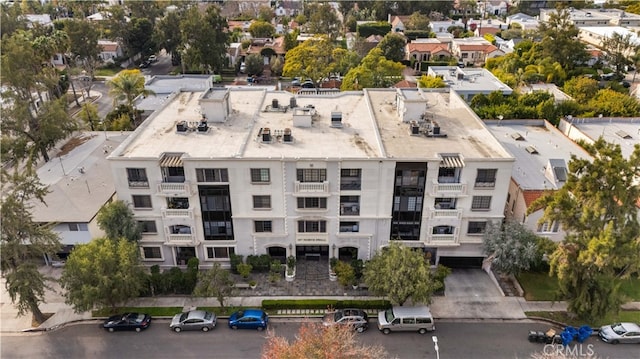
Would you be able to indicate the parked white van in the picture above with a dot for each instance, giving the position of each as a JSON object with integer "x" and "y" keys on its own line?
{"x": 406, "y": 319}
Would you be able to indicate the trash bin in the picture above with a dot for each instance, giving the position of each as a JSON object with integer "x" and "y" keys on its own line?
{"x": 568, "y": 335}
{"x": 533, "y": 336}
{"x": 584, "y": 332}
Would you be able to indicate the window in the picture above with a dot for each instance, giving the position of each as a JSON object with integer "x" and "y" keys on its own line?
{"x": 350, "y": 205}
{"x": 350, "y": 179}
{"x": 481, "y": 203}
{"x": 212, "y": 175}
{"x": 78, "y": 227}
{"x": 262, "y": 226}
{"x": 312, "y": 203}
{"x": 445, "y": 203}
{"x": 217, "y": 230}
{"x": 261, "y": 201}
{"x": 476, "y": 227}
{"x": 486, "y": 178}
{"x": 141, "y": 201}
{"x": 148, "y": 226}
{"x": 312, "y": 226}
{"x": 179, "y": 229}
{"x": 349, "y": 227}
{"x": 311, "y": 175}
{"x": 549, "y": 227}
{"x": 220, "y": 252}
{"x": 137, "y": 177}
{"x": 152, "y": 252}
{"x": 260, "y": 175}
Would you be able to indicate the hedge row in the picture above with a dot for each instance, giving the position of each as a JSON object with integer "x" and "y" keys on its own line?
{"x": 271, "y": 304}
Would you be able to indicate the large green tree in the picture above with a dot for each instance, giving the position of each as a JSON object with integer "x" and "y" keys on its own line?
{"x": 322, "y": 19}
{"x": 139, "y": 37}
{"x": 167, "y": 32}
{"x": 560, "y": 40}
{"x": 23, "y": 242}
{"x": 393, "y": 46}
{"x": 597, "y": 207}
{"x": 126, "y": 86}
{"x": 619, "y": 49}
{"x": 312, "y": 59}
{"x": 261, "y": 29}
{"x": 511, "y": 247}
{"x": 102, "y": 273}
{"x": 400, "y": 273}
{"x": 117, "y": 221}
{"x": 374, "y": 71}
{"x": 31, "y": 124}
{"x": 204, "y": 39}
{"x": 83, "y": 46}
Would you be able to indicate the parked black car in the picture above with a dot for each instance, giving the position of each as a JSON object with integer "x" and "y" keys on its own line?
{"x": 127, "y": 321}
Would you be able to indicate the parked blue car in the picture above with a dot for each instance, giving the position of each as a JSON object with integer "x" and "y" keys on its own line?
{"x": 249, "y": 319}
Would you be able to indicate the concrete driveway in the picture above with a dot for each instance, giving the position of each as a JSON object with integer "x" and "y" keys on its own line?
{"x": 470, "y": 283}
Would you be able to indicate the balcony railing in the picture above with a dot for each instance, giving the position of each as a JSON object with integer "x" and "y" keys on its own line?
{"x": 312, "y": 187}
{"x": 443, "y": 238}
{"x": 445, "y": 213}
{"x": 174, "y": 212}
{"x": 181, "y": 238}
{"x": 350, "y": 210}
{"x": 172, "y": 188}
{"x": 448, "y": 188}
{"x": 138, "y": 184}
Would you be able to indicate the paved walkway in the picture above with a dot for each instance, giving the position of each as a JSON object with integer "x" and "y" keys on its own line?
{"x": 455, "y": 304}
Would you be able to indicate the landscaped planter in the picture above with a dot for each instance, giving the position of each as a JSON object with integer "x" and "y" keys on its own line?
{"x": 290, "y": 277}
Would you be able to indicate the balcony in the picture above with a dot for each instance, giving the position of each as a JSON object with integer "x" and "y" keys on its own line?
{"x": 138, "y": 184}
{"x": 174, "y": 239}
{"x": 445, "y": 213}
{"x": 174, "y": 188}
{"x": 443, "y": 239}
{"x": 176, "y": 212}
{"x": 349, "y": 209}
{"x": 311, "y": 239}
{"x": 312, "y": 187}
{"x": 448, "y": 188}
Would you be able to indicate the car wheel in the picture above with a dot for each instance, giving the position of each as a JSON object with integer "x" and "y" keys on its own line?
{"x": 205, "y": 329}
{"x": 422, "y": 331}
{"x": 177, "y": 329}
{"x": 386, "y": 331}
{"x": 138, "y": 329}
{"x": 260, "y": 329}
{"x": 614, "y": 342}
{"x": 111, "y": 330}
{"x": 234, "y": 327}
{"x": 360, "y": 329}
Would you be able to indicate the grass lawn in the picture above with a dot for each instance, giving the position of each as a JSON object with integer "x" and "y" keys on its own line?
{"x": 153, "y": 311}
{"x": 107, "y": 71}
{"x": 539, "y": 286}
{"x": 563, "y": 317}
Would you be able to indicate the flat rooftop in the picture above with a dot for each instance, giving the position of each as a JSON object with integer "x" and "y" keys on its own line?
{"x": 470, "y": 79}
{"x": 79, "y": 179}
{"x": 551, "y": 146}
{"x": 371, "y": 128}
{"x": 621, "y": 131}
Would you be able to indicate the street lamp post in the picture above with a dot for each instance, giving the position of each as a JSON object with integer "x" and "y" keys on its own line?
{"x": 435, "y": 346}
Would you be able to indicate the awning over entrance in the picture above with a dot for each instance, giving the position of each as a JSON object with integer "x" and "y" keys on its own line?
{"x": 451, "y": 161}
{"x": 171, "y": 161}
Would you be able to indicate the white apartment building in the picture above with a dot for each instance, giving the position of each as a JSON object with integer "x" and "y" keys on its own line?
{"x": 251, "y": 171}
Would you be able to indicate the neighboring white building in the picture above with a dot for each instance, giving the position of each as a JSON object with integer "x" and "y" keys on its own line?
{"x": 598, "y": 35}
{"x": 474, "y": 50}
{"x": 596, "y": 17}
{"x": 470, "y": 81}
{"x": 80, "y": 183}
{"x": 252, "y": 171}
{"x": 553, "y": 89}
{"x": 622, "y": 131}
{"x": 110, "y": 50}
{"x": 526, "y": 22}
{"x": 165, "y": 85}
{"x": 542, "y": 154}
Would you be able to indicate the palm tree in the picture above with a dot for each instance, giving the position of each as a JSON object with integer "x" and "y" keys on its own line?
{"x": 126, "y": 87}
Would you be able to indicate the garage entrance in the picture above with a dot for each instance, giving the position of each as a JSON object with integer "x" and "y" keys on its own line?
{"x": 312, "y": 252}
{"x": 461, "y": 262}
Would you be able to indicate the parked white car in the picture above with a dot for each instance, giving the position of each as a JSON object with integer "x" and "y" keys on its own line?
{"x": 620, "y": 333}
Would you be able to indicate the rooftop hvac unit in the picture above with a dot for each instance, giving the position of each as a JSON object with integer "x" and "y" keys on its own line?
{"x": 336, "y": 119}
{"x": 202, "y": 126}
{"x": 266, "y": 135}
{"x": 182, "y": 126}
{"x": 286, "y": 137}
{"x": 415, "y": 129}
{"x": 293, "y": 103}
{"x": 274, "y": 103}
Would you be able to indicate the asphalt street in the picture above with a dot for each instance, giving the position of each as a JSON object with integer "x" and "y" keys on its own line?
{"x": 477, "y": 340}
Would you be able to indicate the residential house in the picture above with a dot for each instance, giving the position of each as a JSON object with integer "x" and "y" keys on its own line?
{"x": 474, "y": 50}
{"x": 598, "y": 35}
{"x": 542, "y": 154}
{"x": 234, "y": 52}
{"x": 524, "y": 21}
{"x": 398, "y": 22}
{"x": 79, "y": 183}
{"x": 558, "y": 94}
{"x": 268, "y": 48}
{"x": 622, "y": 131}
{"x": 494, "y": 7}
{"x": 251, "y": 171}
{"x": 596, "y": 17}
{"x": 509, "y": 45}
{"x": 469, "y": 81}
{"x": 110, "y": 50}
{"x": 291, "y": 8}
{"x": 427, "y": 51}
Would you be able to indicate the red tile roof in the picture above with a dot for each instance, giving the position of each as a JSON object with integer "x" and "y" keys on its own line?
{"x": 405, "y": 84}
{"x": 426, "y": 47}
{"x": 531, "y": 195}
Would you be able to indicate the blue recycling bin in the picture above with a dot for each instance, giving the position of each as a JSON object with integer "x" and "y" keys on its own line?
{"x": 568, "y": 335}
{"x": 584, "y": 332}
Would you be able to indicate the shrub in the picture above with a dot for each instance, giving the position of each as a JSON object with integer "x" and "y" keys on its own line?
{"x": 235, "y": 259}
{"x": 273, "y": 304}
{"x": 259, "y": 263}
{"x": 345, "y": 273}
{"x": 291, "y": 262}
{"x": 358, "y": 267}
{"x": 244, "y": 270}
{"x": 191, "y": 275}
{"x": 332, "y": 263}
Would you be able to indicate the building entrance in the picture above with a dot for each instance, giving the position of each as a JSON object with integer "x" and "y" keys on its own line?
{"x": 312, "y": 252}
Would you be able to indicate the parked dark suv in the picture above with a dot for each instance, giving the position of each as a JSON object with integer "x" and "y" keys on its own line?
{"x": 356, "y": 318}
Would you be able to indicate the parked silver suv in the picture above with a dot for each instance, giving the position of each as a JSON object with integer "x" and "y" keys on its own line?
{"x": 356, "y": 318}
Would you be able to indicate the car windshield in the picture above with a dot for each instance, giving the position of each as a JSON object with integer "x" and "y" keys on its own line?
{"x": 337, "y": 316}
{"x": 618, "y": 328}
{"x": 139, "y": 318}
{"x": 388, "y": 315}
{"x": 184, "y": 316}
{"x": 208, "y": 316}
